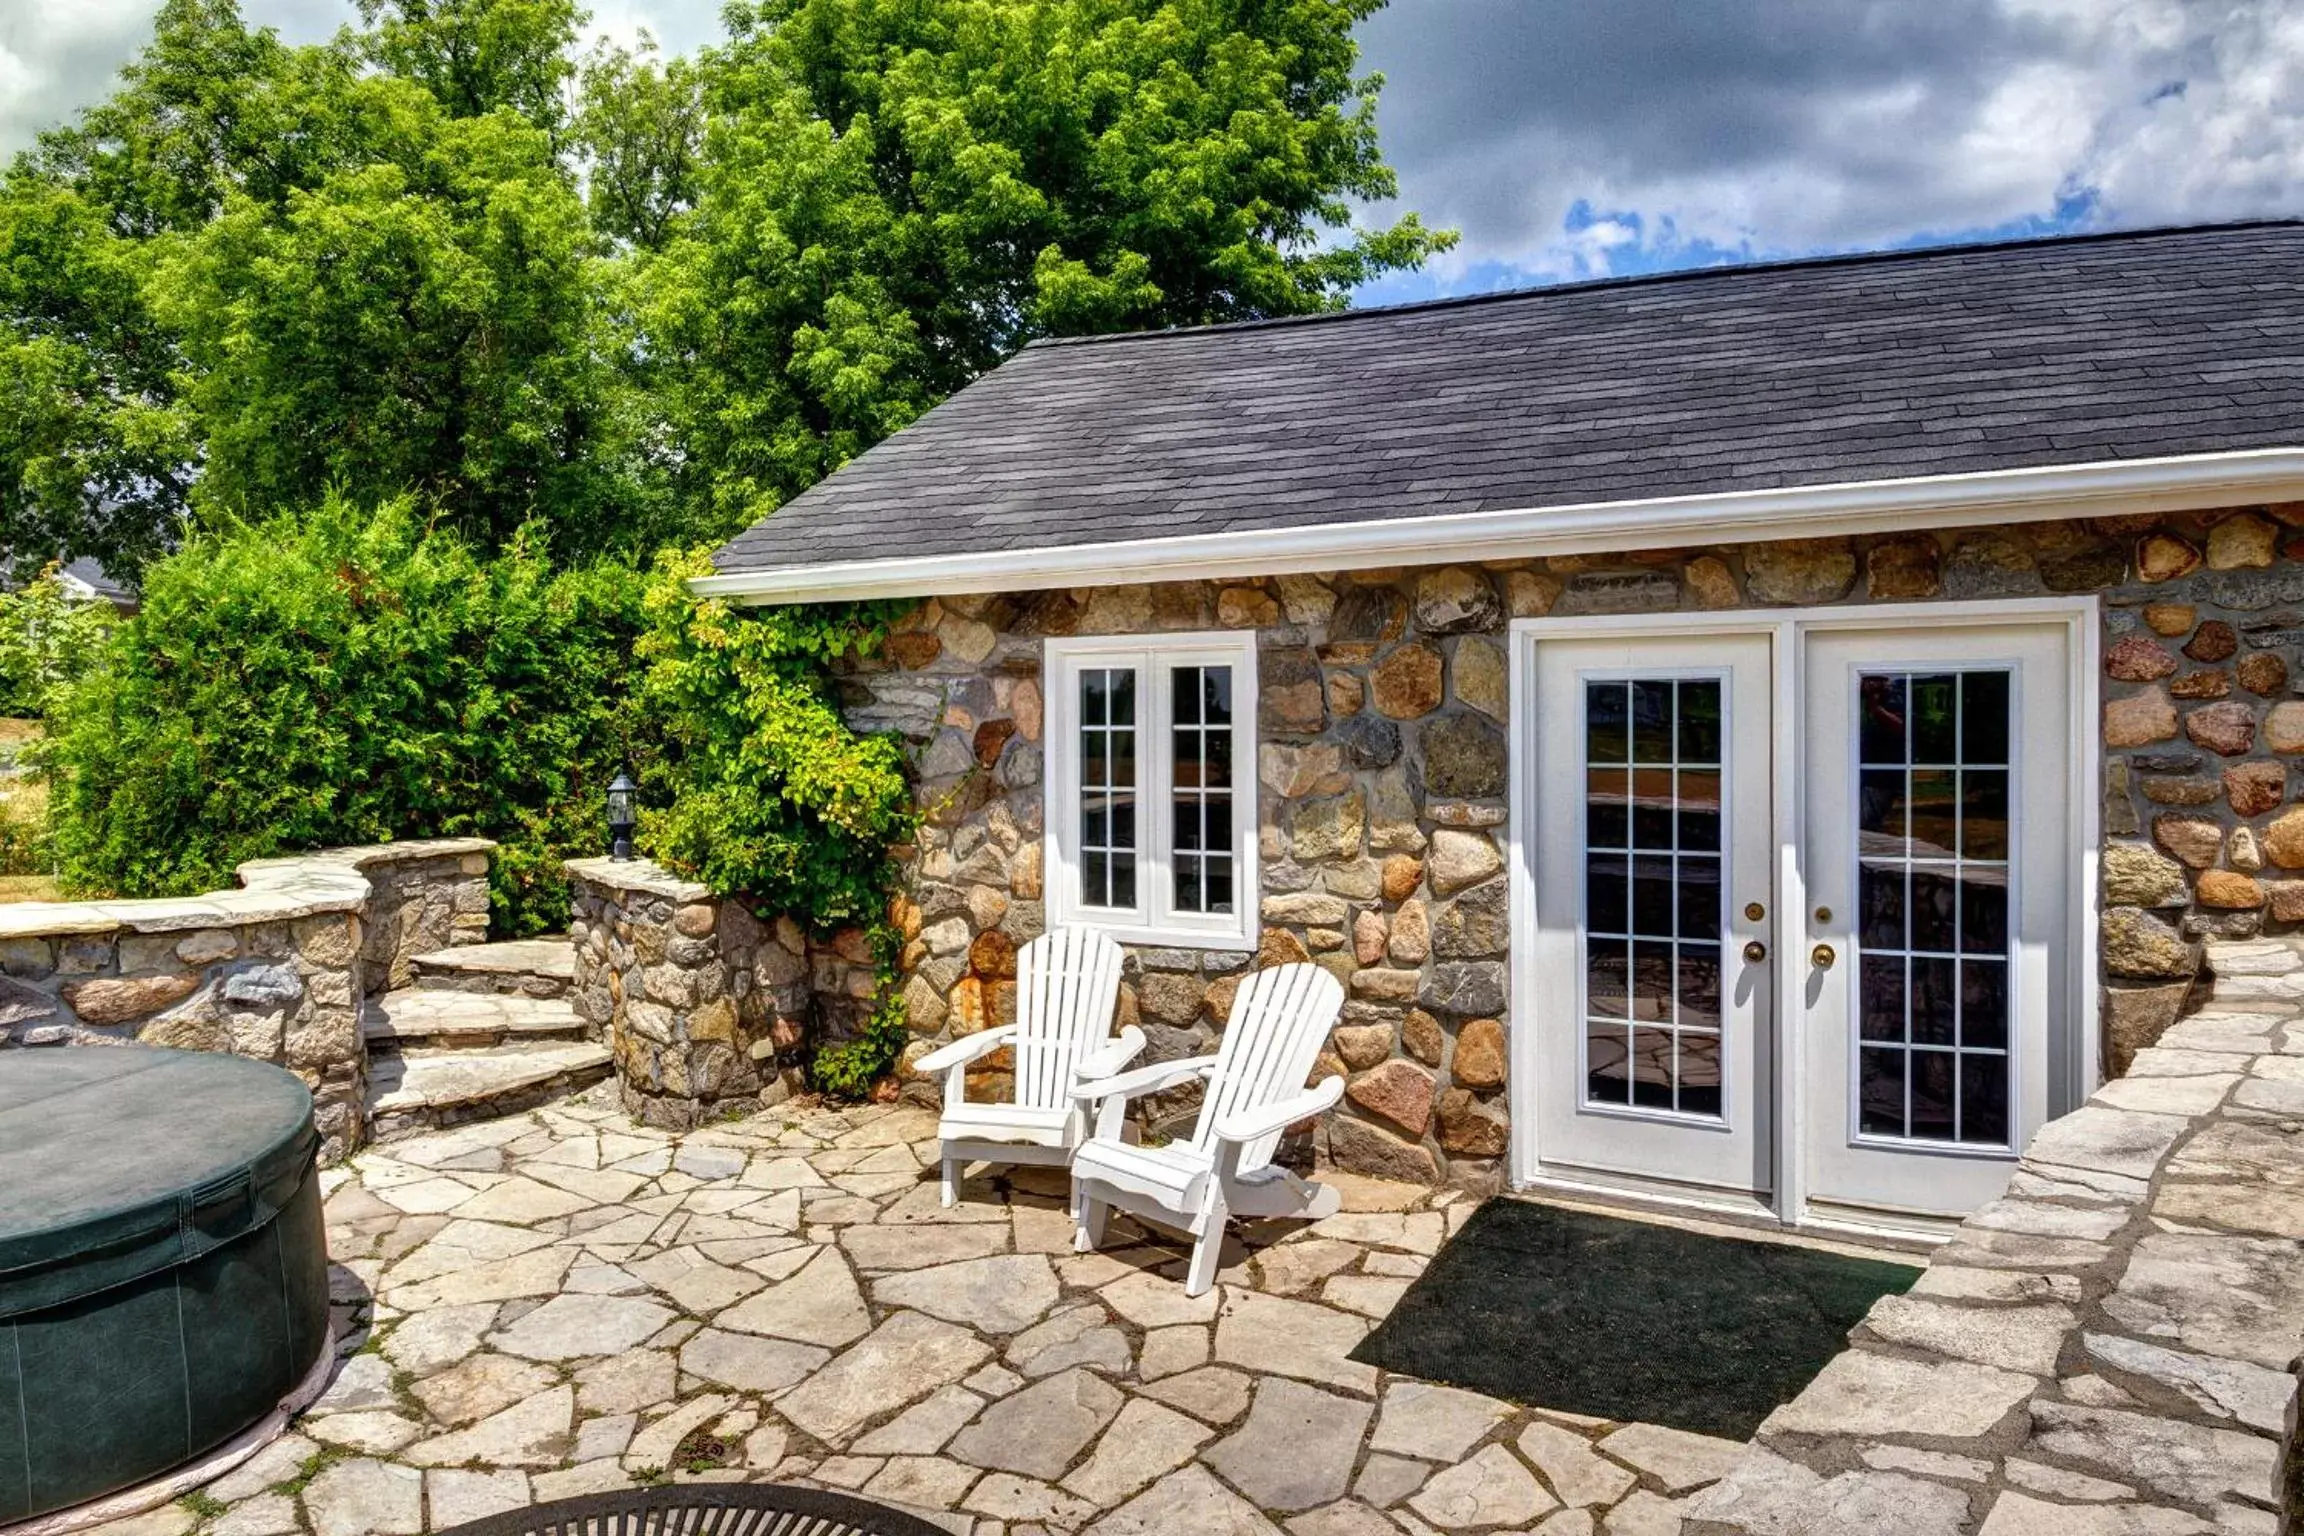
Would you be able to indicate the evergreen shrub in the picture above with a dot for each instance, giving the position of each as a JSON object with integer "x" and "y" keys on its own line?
{"x": 358, "y": 676}
{"x": 350, "y": 676}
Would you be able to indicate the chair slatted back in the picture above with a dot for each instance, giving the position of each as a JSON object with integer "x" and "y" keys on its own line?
{"x": 1067, "y": 986}
{"x": 1280, "y": 1019}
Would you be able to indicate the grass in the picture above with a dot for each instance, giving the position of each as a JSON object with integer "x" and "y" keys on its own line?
{"x": 204, "y": 1506}
{"x": 703, "y": 1451}
{"x": 315, "y": 1464}
{"x": 23, "y": 819}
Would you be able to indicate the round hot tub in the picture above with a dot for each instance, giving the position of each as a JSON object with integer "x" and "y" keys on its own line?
{"x": 163, "y": 1267}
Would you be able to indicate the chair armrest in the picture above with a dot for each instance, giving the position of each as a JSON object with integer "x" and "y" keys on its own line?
{"x": 1151, "y": 1079}
{"x": 966, "y": 1049}
{"x": 1248, "y": 1124}
{"x": 1111, "y": 1056}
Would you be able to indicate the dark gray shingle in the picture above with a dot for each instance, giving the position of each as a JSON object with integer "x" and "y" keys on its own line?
{"x": 1924, "y": 363}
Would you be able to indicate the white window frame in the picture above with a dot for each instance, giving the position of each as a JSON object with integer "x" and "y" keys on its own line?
{"x": 1153, "y": 920}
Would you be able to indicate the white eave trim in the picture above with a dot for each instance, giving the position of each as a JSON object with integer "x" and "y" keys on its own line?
{"x": 1809, "y": 511}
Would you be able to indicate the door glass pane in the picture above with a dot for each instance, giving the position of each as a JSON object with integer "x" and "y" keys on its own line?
{"x": 1699, "y": 1073}
{"x": 1108, "y": 787}
{"x": 1652, "y": 885}
{"x": 1699, "y": 809}
{"x": 1607, "y": 808}
{"x": 1932, "y": 924}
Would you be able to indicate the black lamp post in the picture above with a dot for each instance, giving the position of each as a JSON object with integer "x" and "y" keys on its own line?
{"x": 623, "y": 815}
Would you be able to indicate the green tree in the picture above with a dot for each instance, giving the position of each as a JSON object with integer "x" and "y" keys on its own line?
{"x": 423, "y": 321}
{"x": 893, "y": 195}
{"x": 208, "y": 108}
{"x": 49, "y": 640}
{"x": 640, "y": 130}
{"x": 402, "y": 262}
{"x": 479, "y": 56}
{"x": 95, "y": 452}
{"x": 257, "y": 272}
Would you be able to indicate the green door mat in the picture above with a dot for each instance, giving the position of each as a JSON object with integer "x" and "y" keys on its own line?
{"x": 1627, "y": 1320}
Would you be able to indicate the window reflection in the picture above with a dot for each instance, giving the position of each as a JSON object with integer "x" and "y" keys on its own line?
{"x": 1652, "y": 891}
{"x": 1932, "y": 922}
{"x": 1200, "y": 802}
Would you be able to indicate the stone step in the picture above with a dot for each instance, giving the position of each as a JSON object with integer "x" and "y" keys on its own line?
{"x": 538, "y": 967}
{"x": 2255, "y": 970}
{"x": 417, "y": 1017}
{"x": 411, "y": 1091}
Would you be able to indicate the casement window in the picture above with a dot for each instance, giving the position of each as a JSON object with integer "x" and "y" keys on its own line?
{"x": 1152, "y": 787}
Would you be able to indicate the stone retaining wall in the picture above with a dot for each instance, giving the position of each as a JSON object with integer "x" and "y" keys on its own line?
{"x": 1382, "y": 760}
{"x": 275, "y": 970}
{"x": 2112, "y": 1347}
{"x": 424, "y": 898}
{"x": 701, "y": 1002}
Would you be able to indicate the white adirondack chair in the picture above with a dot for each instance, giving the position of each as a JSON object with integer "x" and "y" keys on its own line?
{"x": 1255, "y": 1091}
{"x": 1067, "y": 986}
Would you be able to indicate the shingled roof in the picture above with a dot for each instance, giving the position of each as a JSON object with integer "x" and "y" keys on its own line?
{"x": 1875, "y": 368}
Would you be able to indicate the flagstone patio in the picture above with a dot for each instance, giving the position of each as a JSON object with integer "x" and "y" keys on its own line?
{"x": 563, "y": 1301}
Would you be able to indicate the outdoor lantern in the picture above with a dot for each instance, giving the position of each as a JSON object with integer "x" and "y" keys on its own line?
{"x": 623, "y": 815}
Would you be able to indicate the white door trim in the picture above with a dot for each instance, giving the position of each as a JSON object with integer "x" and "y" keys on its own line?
{"x": 2082, "y": 1070}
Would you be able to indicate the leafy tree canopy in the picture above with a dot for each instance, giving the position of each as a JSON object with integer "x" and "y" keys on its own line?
{"x": 636, "y": 299}
{"x": 893, "y": 195}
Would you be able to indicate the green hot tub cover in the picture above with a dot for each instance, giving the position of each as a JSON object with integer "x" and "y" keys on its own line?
{"x": 163, "y": 1267}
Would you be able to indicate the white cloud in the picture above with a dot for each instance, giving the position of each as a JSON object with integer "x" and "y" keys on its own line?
{"x": 2212, "y": 123}
{"x": 55, "y": 56}
{"x": 1719, "y": 127}
{"x": 58, "y": 56}
{"x": 1570, "y": 139}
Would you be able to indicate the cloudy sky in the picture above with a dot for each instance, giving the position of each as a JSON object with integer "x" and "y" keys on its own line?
{"x": 1575, "y": 138}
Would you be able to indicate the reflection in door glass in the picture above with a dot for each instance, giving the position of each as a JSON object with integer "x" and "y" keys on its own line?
{"x": 1652, "y": 924}
{"x": 1933, "y": 892}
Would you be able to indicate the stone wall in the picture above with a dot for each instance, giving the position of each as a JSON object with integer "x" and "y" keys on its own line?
{"x": 2201, "y": 728}
{"x": 1382, "y": 761}
{"x": 275, "y": 970}
{"x": 426, "y": 897}
{"x": 701, "y": 1003}
{"x": 1382, "y": 767}
{"x": 2112, "y": 1347}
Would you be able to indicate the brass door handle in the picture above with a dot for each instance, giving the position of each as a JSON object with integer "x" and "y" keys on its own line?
{"x": 1755, "y": 951}
{"x": 1822, "y": 956}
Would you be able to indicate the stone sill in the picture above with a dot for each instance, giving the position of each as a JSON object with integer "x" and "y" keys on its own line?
{"x": 362, "y": 856}
{"x": 272, "y": 890}
{"x": 643, "y": 875}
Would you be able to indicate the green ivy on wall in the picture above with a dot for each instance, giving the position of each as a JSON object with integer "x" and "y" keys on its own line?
{"x": 761, "y": 791}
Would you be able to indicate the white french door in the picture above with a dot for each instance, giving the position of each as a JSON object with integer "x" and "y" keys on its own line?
{"x": 1940, "y": 898}
{"x": 1801, "y": 901}
{"x": 1653, "y": 882}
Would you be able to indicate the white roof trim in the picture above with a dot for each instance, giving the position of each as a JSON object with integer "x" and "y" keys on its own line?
{"x": 1808, "y": 511}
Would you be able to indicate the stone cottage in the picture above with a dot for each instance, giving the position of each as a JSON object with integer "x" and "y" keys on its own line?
{"x": 1765, "y": 739}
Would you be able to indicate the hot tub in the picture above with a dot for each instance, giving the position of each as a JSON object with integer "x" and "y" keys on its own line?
{"x": 163, "y": 1267}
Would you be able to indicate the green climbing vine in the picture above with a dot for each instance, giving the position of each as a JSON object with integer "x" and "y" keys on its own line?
{"x": 764, "y": 793}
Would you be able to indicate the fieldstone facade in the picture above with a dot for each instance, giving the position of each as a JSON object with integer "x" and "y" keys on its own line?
{"x": 276, "y": 970}
{"x": 1382, "y": 760}
{"x": 702, "y": 1004}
